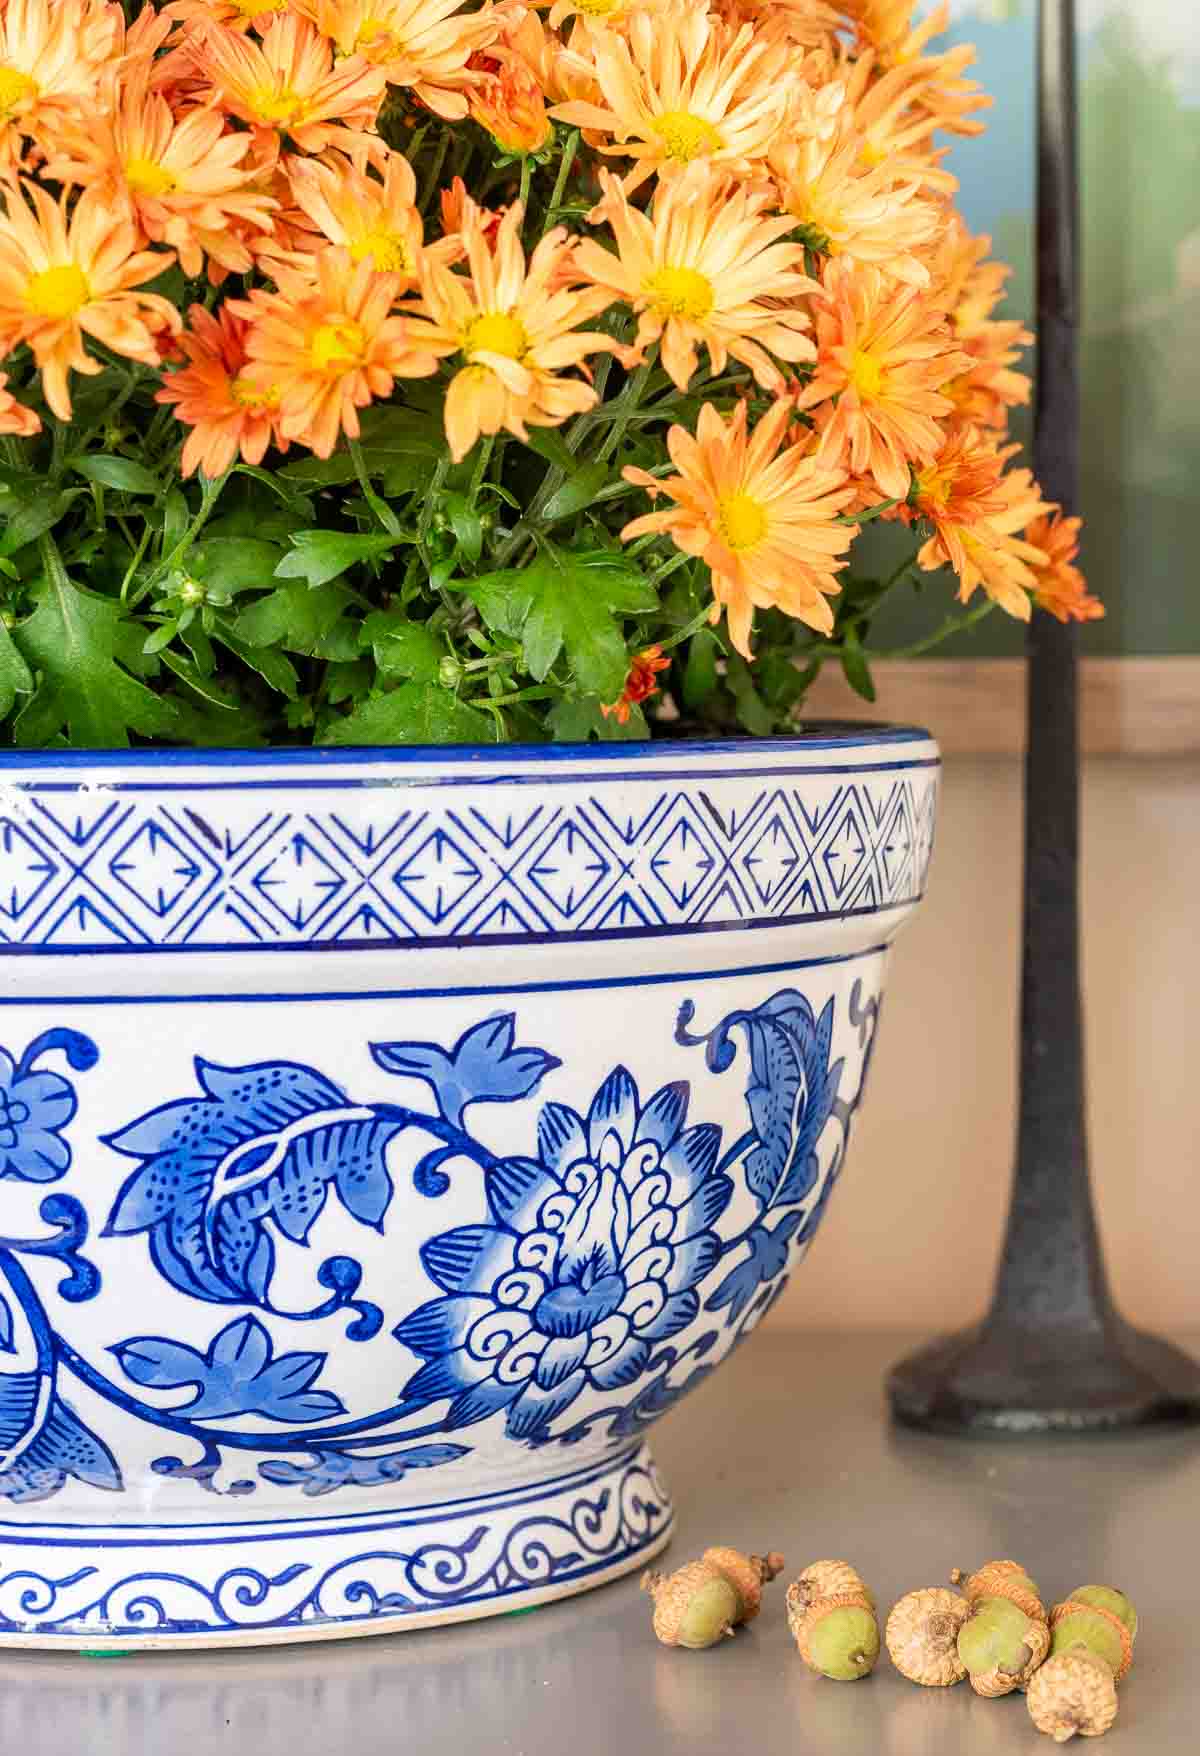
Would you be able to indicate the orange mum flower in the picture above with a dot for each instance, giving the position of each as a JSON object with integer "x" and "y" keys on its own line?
{"x": 62, "y": 280}
{"x": 515, "y": 326}
{"x": 851, "y": 211}
{"x": 330, "y": 348}
{"x": 289, "y": 84}
{"x": 52, "y": 53}
{"x": 696, "y": 270}
{"x": 373, "y": 218}
{"x": 424, "y": 45}
{"x": 14, "y": 416}
{"x": 231, "y": 411}
{"x": 640, "y": 684}
{"x": 239, "y": 15}
{"x": 975, "y": 510}
{"x": 971, "y": 288}
{"x": 884, "y": 353}
{"x": 511, "y": 105}
{"x": 680, "y": 88}
{"x": 184, "y": 179}
{"x": 760, "y": 512}
{"x": 1061, "y": 587}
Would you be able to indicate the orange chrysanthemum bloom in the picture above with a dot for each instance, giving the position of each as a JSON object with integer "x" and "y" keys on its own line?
{"x": 883, "y": 352}
{"x": 239, "y": 15}
{"x": 329, "y": 348}
{"x": 679, "y": 88}
{"x": 511, "y": 105}
{"x": 853, "y": 212}
{"x": 290, "y": 85}
{"x": 641, "y": 683}
{"x": 63, "y": 280}
{"x": 15, "y": 418}
{"x": 971, "y": 288}
{"x": 515, "y": 327}
{"x": 184, "y": 179}
{"x": 52, "y": 53}
{"x": 231, "y": 411}
{"x": 455, "y": 206}
{"x": 424, "y": 45}
{"x": 808, "y": 23}
{"x": 1061, "y": 587}
{"x": 374, "y": 218}
{"x": 976, "y": 511}
{"x": 697, "y": 269}
{"x": 886, "y": 31}
{"x": 760, "y": 512}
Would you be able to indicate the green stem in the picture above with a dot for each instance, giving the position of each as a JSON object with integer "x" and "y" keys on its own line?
{"x": 952, "y": 625}
{"x": 564, "y": 170}
{"x": 526, "y": 179}
{"x": 626, "y": 403}
{"x": 213, "y": 487}
{"x": 435, "y": 169}
{"x": 379, "y": 507}
{"x": 425, "y": 521}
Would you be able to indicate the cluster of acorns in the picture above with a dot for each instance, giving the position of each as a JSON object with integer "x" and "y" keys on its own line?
{"x": 994, "y": 1630}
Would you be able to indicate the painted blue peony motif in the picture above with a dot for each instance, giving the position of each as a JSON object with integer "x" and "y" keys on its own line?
{"x": 593, "y": 1256}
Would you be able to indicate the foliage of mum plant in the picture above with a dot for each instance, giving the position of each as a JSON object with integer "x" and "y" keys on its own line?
{"x": 391, "y": 371}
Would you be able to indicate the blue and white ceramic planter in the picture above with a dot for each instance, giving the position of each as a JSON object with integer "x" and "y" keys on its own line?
{"x": 388, "y": 1138}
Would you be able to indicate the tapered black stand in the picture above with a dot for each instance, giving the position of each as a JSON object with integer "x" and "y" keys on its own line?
{"x": 1053, "y": 1353}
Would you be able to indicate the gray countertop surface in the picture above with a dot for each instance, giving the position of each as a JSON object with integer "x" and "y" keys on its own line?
{"x": 788, "y": 1446}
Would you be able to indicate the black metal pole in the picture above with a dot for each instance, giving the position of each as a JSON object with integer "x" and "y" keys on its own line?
{"x": 1053, "y": 1353}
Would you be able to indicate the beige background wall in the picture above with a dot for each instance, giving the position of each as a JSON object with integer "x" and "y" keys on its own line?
{"x": 912, "y": 1234}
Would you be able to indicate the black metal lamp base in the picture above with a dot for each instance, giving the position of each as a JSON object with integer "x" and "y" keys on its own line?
{"x": 989, "y": 1380}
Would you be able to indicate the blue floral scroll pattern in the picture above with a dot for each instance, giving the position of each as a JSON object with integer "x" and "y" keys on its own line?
{"x": 600, "y": 1248}
{"x": 199, "y": 865}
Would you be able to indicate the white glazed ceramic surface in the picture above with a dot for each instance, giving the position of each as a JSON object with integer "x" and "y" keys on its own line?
{"x": 388, "y": 1138}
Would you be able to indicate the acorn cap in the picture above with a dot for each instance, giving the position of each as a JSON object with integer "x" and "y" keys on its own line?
{"x": 806, "y": 1622}
{"x": 1072, "y": 1692}
{"x": 825, "y": 1579}
{"x": 1001, "y": 1579}
{"x": 922, "y": 1636}
{"x": 1002, "y": 1681}
{"x": 747, "y": 1574}
{"x": 693, "y": 1607}
{"x": 1072, "y": 1607}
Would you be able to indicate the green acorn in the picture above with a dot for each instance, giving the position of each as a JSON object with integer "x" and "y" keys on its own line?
{"x": 694, "y": 1607}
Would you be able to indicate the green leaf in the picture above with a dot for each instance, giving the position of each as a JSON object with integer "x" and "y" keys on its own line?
{"x": 82, "y": 644}
{"x": 321, "y": 555}
{"x": 294, "y": 617}
{"x": 34, "y": 519}
{"x": 403, "y": 648}
{"x": 700, "y": 672}
{"x": 568, "y": 601}
{"x": 551, "y": 445}
{"x": 273, "y": 667}
{"x": 578, "y": 491}
{"x": 120, "y": 473}
{"x": 856, "y": 666}
{"x": 398, "y": 444}
{"x": 227, "y": 565}
{"x": 752, "y": 711}
{"x": 578, "y": 720}
{"x": 416, "y": 713}
{"x": 15, "y": 678}
{"x": 466, "y": 525}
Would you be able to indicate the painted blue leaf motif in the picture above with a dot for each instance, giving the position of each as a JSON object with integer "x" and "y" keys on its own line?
{"x": 6, "y": 1326}
{"x": 265, "y": 1143}
{"x": 61, "y": 1447}
{"x": 768, "y": 1257}
{"x": 239, "y": 1375}
{"x": 336, "y": 1469}
{"x": 483, "y": 1066}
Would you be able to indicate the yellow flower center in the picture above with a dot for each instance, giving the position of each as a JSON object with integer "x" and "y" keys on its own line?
{"x": 741, "y": 520}
{"x": 145, "y": 177}
{"x": 866, "y": 374}
{"x": 58, "y": 292}
{"x": 15, "y": 88}
{"x": 251, "y": 8}
{"x": 681, "y": 292}
{"x": 388, "y": 251}
{"x": 338, "y": 346}
{"x": 496, "y": 333}
{"x": 278, "y": 105}
{"x": 686, "y": 137}
{"x": 254, "y": 396}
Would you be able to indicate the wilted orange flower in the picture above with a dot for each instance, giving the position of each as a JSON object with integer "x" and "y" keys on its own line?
{"x": 640, "y": 684}
{"x": 516, "y": 328}
{"x": 289, "y": 84}
{"x": 679, "y": 88}
{"x": 52, "y": 53}
{"x": 510, "y": 104}
{"x": 455, "y": 204}
{"x": 231, "y": 412}
{"x": 374, "y": 218}
{"x": 697, "y": 269}
{"x": 424, "y": 45}
{"x": 184, "y": 179}
{"x": 883, "y": 351}
{"x": 14, "y": 416}
{"x": 1061, "y": 587}
{"x": 850, "y": 211}
{"x": 330, "y": 348}
{"x": 761, "y": 513}
{"x": 976, "y": 510}
{"x": 64, "y": 279}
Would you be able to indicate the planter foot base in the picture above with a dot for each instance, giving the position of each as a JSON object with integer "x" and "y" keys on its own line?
{"x": 137, "y": 1588}
{"x": 997, "y": 1378}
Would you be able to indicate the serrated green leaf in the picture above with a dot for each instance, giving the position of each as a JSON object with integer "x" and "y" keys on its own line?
{"x": 321, "y": 555}
{"x": 294, "y": 617}
{"x": 416, "y": 713}
{"x": 15, "y": 676}
{"x": 227, "y": 565}
{"x": 578, "y": 491}
{"x": 81, "y": 644}
{"x": 403, "y": 648}
{"x": 273, "y": 667}
{"x": 856, "y": 666}
{"x": 120, "y": 473}
{"x": 33, "y": 519}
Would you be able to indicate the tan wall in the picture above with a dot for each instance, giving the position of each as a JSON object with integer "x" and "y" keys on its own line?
{"x": 913, "y": 1232}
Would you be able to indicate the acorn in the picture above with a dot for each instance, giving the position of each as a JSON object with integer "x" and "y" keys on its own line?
{"x": 1100, "y": 1618}
{"x": 747, "y": 1574}
{"x": 922, "y": 1636}
{"x": 1001, "y": 1646}
{"x": 1006, "y": 1579}
{"x": 838, "y": 1637}
{"x": 826, "y": 1579}
{"x": 694, "y": 1607}
{"x": 1091, "y": 1649}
